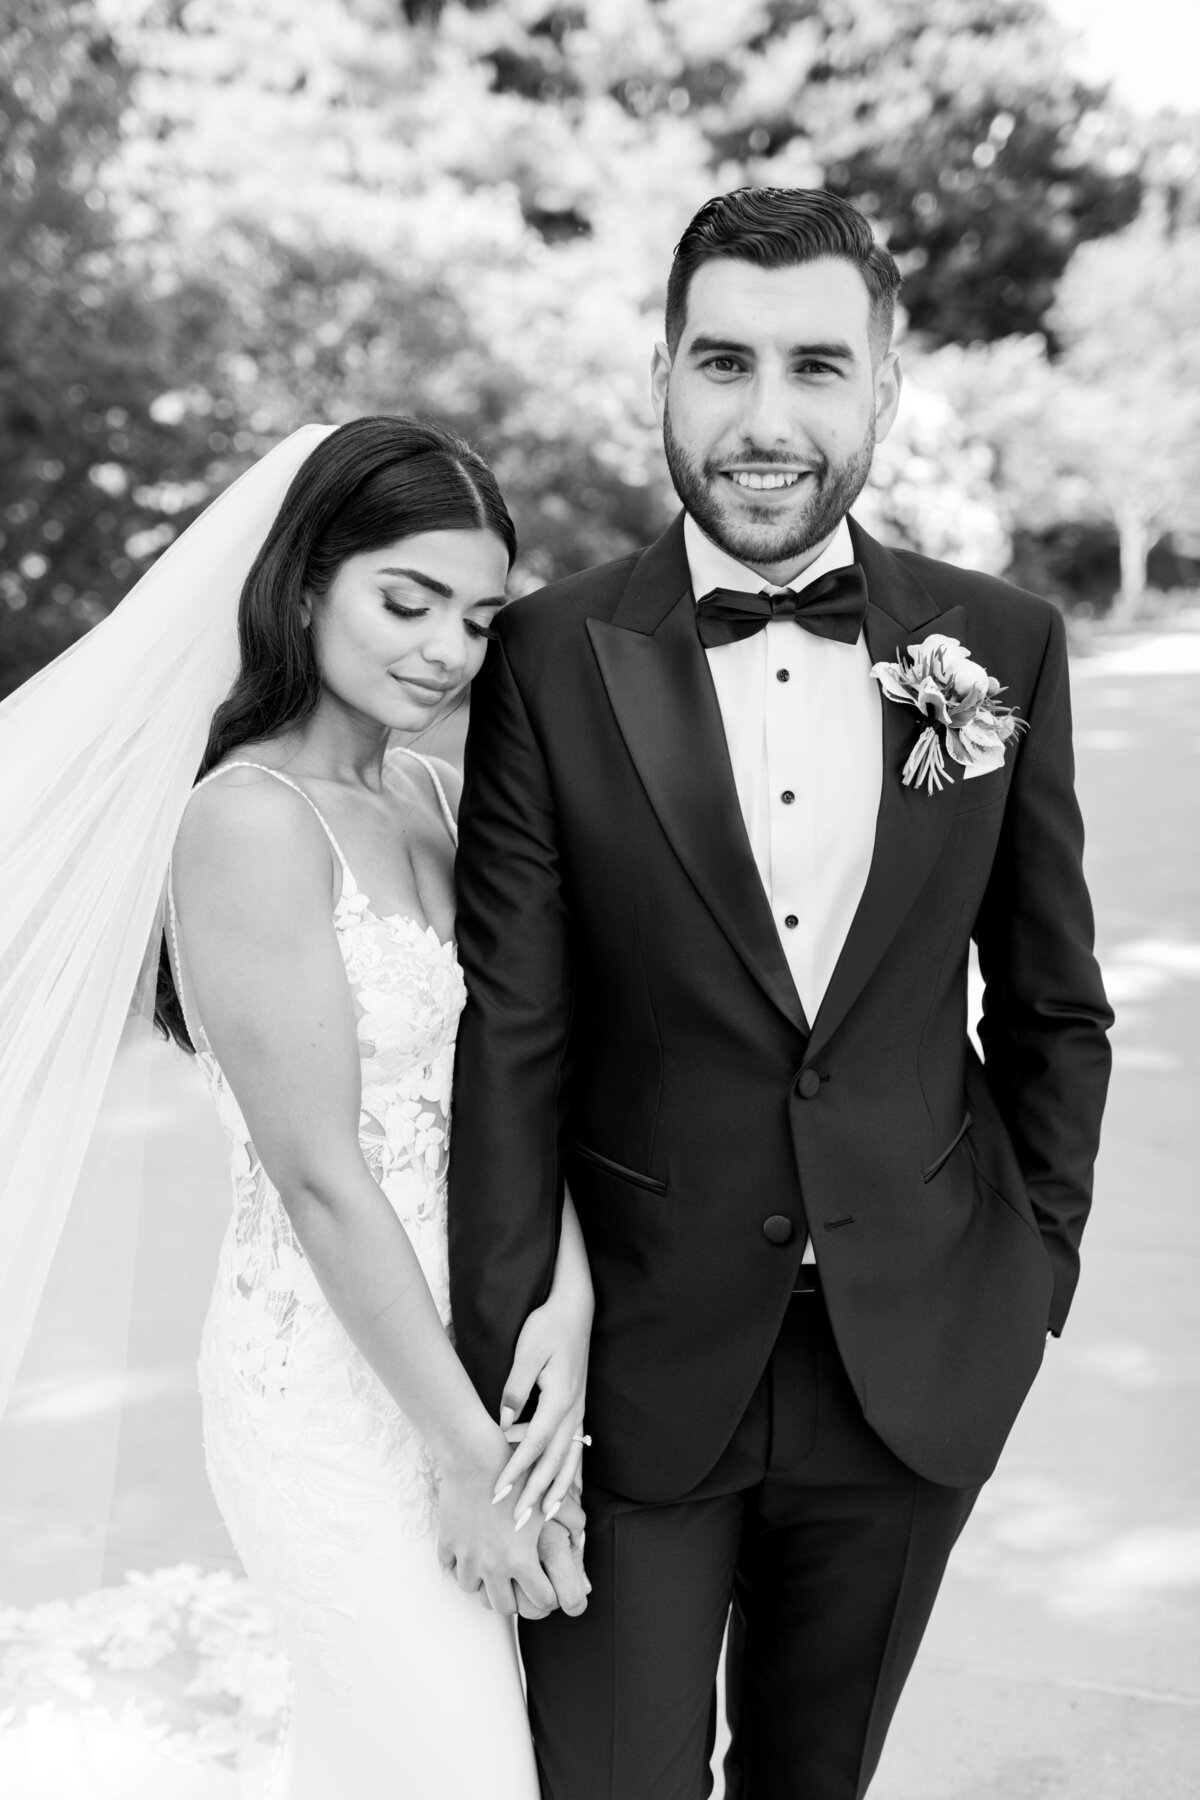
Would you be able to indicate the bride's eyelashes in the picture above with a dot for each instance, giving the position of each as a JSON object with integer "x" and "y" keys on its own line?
{"x": 418, "y": 612}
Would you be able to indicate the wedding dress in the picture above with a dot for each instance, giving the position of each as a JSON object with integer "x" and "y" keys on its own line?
{"x": 405, "y": 1687}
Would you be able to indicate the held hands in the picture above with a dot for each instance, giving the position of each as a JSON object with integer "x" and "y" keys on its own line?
{"x": 512, "y": 1569}
{"x": 552, "y": 1352}
{"x": 487, "y": 1534}
{"x": 479, "y": 1544}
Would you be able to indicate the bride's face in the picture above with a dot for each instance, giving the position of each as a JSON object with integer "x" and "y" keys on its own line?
{"x": 403, "y": 630}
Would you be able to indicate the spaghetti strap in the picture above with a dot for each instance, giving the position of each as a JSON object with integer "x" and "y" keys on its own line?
{"x": 425, "y": 762}
{"x": 194, "y": 1029}
{"x": 348, "y": 882}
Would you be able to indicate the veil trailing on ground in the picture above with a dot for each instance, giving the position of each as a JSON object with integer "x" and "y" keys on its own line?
{"x": 98, "y": 754}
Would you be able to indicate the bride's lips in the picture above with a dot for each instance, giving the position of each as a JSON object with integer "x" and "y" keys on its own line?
{"x": 425, "y": 693}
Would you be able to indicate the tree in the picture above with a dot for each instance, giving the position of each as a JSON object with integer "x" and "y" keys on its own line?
{"x": 957, "y": 125}
{"x": 89, "y": 478}
{"x": 534, "y": 160}
{"x": 984, "y": 159}
{"x": 395, "y": 266}
{"x": 1128, "y": 314}
{"x": 222, "y": 220}
{"x": 1109, "y": 430}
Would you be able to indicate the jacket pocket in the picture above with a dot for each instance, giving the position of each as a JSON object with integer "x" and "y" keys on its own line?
{"x": 939, "y": 1161}
{"x": 634, "y": 1177}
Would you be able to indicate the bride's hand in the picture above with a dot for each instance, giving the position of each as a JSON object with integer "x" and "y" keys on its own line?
{"x": 477, "y": 1542}
{"x": 552, "y": 1352}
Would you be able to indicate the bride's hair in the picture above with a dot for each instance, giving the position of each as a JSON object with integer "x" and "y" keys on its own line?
{"x": 365, "y": 485}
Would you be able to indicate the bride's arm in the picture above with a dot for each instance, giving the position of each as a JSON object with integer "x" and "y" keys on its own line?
{"x": 551, "y": 1353}
{"x": 253, "y": 881}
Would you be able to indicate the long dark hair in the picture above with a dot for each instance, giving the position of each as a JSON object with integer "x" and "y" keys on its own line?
{"x": 365, "y": 485}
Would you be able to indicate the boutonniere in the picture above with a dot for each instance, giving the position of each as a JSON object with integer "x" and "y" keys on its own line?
{"x": 959, "y": 698}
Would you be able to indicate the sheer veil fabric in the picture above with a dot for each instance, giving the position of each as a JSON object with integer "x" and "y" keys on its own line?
{"x": 98, "y": 754}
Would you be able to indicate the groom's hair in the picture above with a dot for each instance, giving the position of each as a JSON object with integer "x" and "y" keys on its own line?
{"x": 777, "y": 228}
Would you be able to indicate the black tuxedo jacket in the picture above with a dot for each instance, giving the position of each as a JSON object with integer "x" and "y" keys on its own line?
{"x": 632, "y": 1025}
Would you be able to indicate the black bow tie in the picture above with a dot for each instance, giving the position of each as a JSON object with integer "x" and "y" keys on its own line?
{"x": 833, "y": 606}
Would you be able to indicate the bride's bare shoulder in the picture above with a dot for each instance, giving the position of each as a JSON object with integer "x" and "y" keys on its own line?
{"x": 246, "y": 819}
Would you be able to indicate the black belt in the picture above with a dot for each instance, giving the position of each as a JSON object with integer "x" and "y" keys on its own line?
{"x": 808, "y": 1279}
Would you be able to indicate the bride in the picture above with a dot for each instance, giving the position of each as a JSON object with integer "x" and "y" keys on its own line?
{"x": 309, "y": 965}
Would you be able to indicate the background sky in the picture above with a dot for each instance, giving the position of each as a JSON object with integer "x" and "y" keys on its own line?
{"x": 1150, "y": 50}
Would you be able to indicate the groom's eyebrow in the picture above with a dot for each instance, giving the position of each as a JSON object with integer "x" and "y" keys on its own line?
{"x": 834, "y": 350}
{"x": 716, "y": 346}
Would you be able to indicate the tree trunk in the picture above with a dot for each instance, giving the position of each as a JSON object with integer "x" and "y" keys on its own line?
{"x": 1134, "y": 539}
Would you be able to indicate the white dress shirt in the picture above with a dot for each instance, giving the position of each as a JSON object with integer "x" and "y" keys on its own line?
{"x": 803, "y": 722}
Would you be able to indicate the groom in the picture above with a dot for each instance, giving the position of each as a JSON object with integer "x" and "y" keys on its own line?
{"x": 715, "y": 932}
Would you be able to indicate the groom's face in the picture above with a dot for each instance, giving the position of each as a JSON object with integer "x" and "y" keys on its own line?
{"x": 771, "y": 406}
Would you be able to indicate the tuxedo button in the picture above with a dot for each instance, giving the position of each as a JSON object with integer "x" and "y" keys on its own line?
{"x": 783, "y": 675}
{"x": 791, "y": 921}
{"x": 778, "y": 1229}
{"x": 787, "y": 796}
{"x": 808, "y": 1084}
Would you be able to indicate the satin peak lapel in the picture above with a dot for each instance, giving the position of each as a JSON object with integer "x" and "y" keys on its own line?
{"x": 911, "y": 826}
{"x": 658, "y": 684}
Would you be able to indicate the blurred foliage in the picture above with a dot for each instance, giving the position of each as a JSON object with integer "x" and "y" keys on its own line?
{"x": 217, "y": 221}
{"x": 1108, "y": 431}
{"x": 1126, "y": 417}
{"x": 83, "y": 351}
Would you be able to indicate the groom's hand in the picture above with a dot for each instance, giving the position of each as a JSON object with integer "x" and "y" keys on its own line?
{"x": 560, "y": 1547}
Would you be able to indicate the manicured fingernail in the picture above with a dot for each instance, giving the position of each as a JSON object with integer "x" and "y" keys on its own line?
{"x": 500, "y": 1493}
{"x": 555, "y": 1507}
{"x": 507, "y": 1415}
{"x": 524, "y": 1519}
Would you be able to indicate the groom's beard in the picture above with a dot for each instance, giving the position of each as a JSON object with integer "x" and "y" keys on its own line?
{"x": 835, "y": 488}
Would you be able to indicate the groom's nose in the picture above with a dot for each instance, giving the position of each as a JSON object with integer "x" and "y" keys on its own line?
{"x": 768, "y": 418}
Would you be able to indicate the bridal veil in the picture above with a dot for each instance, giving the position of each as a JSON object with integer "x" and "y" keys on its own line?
{"x": 98, "y": 754}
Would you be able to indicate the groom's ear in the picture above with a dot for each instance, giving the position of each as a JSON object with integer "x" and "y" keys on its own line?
{"x": 660, "y": 374}
{"x": 888, "y": 379}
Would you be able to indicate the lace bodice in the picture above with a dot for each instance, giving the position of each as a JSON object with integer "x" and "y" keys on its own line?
{"x": 296, "y": 1421}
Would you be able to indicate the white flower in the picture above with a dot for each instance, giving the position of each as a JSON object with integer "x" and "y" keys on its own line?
{"x": 941, "y": 681}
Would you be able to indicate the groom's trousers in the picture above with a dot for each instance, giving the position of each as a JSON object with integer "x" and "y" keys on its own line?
{"x": 830, "y": 1552}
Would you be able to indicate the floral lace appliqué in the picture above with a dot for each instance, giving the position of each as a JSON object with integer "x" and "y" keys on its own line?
{"x": 298, "y": 1428}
